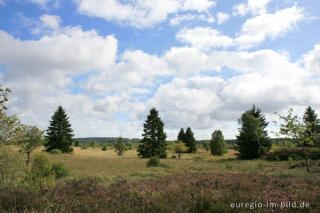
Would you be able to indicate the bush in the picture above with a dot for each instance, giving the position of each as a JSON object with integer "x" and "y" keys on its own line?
{"x": 153, "y": 161}
{"x": 229, "y": 166}
{"x": 104, "y": 148}
{"x": 60, "y": 170}
{"x": 293, "y": 153}
{"x": 217, "y": 143}
{"x": 173, "y": 156}
{"x": 55, "y": 151}
{"x": 41, "y": 173}
{"x": 11, "y": 165}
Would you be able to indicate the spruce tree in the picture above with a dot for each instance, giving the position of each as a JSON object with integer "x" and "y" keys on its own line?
{"x": 153, "y": 142}
{"x": 181, "y": 135}
{"x": 310, "y": 118}
{"x": 59, "y": 133}
{"x": 253, "y": 137}
{"x": 217, "y": 144}
{"x": 190, "y": 141}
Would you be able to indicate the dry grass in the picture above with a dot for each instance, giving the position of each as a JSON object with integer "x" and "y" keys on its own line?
{"x": 108, "y": 166}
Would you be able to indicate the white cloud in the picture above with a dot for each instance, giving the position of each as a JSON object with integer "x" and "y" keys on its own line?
{"x": 2, "y": 2}
{"x": 140, "y": 13}
{"x": 40, "y": 2}
{"x": 204, "y": 38}
{"x": 252, "y": 6}
{"x": 312, "y": 60}
{"x": 50, "y": 21}
{"x": 190, "y": 17}
{"x": 222, "y": 17}
{"x": 257, "y": 29}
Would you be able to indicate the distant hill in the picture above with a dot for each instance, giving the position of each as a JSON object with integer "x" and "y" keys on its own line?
{"x": 105, "y": 139}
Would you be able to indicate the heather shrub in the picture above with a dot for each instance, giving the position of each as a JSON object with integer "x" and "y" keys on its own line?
{"x": 229, "y": 166}
{"x": 153, "y": 161}
{"x": 55, "y": 151}
{"x": 60, "y": 170}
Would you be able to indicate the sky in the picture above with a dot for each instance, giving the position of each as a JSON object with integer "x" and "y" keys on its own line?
{"x": 199, "y": 63}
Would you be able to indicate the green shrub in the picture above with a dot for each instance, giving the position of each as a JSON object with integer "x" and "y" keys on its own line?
{"x": 295, "y": 153}
{"x": 41, "y": 173}
{"x": 228, "y": 166}
{"x": 55, "y": 151}
{"x": 84, "y": 147}
{"x": 217, "y": 143}
{"x": 173, "y": 156}
{"x": 60, "y": 170}
{"x": 104, "y": 148}
{"x": 153, "y": 161}
{"x": 11, "y": 165}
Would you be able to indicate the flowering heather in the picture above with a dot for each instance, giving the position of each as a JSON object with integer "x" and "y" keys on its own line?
{"x": 180, "y": 193}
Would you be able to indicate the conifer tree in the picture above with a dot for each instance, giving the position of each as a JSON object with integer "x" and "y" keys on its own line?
{"x": 190, "y": 141}
{"x": 181, "y": 135}
{"x": 153, "y": 142}
{"x": 59, "y": 133}
{"x": 120, "y": 147}
{"x": 217, "y": 144}
{"x": 253, "y": 137}
{"x": 310, "y": 118}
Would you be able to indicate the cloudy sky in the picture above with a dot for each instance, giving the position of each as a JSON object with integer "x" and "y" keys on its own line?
{"x": 201, "y": 63}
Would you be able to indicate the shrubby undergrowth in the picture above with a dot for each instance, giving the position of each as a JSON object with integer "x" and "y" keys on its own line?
{"x": 179, "y": 193}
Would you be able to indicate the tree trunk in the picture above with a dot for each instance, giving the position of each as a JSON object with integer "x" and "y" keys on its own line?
{"x": 306, "y": 159}
{"x": 28, "y": 158}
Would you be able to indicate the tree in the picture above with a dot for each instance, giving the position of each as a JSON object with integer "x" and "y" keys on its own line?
{"x": 292, "y": 126}
{"x": 253, "y": 138}
{"x": 190, "y": 141}
{"x": 179, "y": 147}
{"x": 59, "y": 133}
{"x": 217, "y": 144}
{"x": 33, "y": 140}
{"x": 153, "y": 142}
{"x": 181, "y": 135}
{"x": 310, "y": 118}
{"x": 120, "y": 147}
{"x": 11, "y": 129}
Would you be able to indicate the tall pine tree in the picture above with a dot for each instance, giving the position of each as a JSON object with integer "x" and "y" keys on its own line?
{"x": 59, "y": 133}
{"x": 181, "y": 135}
{"x": 253, "y": 137}
{"x": 190, "y": 141}
{"x": 153, "y": 142}
{"x": 311, "y": 118}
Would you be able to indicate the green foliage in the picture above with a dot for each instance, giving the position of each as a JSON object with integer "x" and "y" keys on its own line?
{"x": 206, "y": 145}
{"x": 217, "y": 143}
{"x": 179, "y": 147}
{"x": 60, "y": 170}
{"x": 104, "y": 148}
{"x": 295, "y": 153}
{"x": 153, "y": 161}
{"x": 173, "y": 156}
{"x": 190, "y": 141}
{"x": 55, "y": 151}
{"x": 253, "y": 138}
{"x": 310, "y": 119}
{"x": 41, "y": 173}
{"x": 120, "y": 147}
{"x": 153, "y": 142}
{"x": 32, "y": 140}
{"x": 11, "y": 166}
{"x": 59, "y": 133}
{"x": 76, "y": 143}
{"x": 228, "y": 166}
{"x": 11, "y": 130}
{"x": 283, "y": 145}
{"x": 181, "y": 136}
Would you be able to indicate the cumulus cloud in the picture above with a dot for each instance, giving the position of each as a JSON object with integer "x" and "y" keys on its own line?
{"x": 312, "y": 60}
{"x": 50, "y": 21}
{"x": 140, "y": 14}
{"x": 204, "y": 38}
{"x": 222, "y": 17}
{"x": 268, "y": 25}
{"x": 252, "y": 6}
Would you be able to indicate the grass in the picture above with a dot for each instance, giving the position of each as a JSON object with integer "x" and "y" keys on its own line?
{"x": 107, "y": 165}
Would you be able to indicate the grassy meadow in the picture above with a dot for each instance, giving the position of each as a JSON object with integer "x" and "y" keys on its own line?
{"x": 102, "y": 181}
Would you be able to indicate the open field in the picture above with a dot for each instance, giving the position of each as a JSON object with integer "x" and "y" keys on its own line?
{"x": 109, "y": 167}
{"x": 102, "y": 181}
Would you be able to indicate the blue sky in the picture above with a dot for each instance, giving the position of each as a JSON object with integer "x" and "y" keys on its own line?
{"x": 200, "y": 63}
